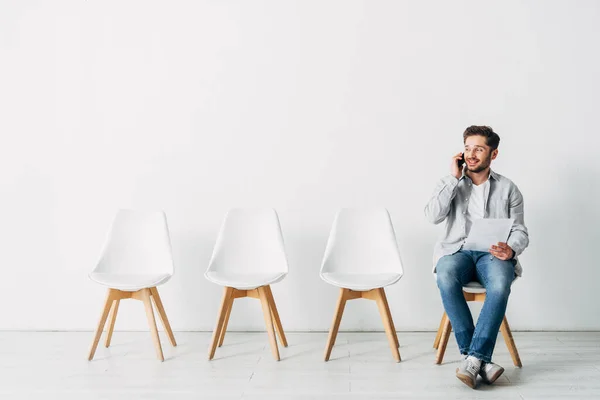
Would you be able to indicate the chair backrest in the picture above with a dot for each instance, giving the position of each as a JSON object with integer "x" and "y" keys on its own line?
{"x": 138, "y": 243}
{"x": 250, "y": 241}
{"x": 362, "y": 241}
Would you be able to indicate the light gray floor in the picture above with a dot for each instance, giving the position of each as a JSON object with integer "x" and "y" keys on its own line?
{"x": 53, "y": 365}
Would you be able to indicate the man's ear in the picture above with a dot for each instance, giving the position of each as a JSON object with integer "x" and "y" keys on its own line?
{"x": 494, "y": 154}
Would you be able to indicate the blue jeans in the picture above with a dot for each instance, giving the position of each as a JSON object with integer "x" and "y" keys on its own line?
{"x": 456, "y": 270}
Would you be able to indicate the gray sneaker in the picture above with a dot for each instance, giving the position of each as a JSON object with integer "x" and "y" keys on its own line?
{"x": 468, "y": 371}
{"x": 489, "y": 372}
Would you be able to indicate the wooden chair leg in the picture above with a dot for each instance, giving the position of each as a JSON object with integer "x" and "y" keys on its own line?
{"x": 226, "y": 321}
{"x": 443, "y": 341}
{"x": 438, "y": 336}
{"x": 337, "y": 318}
{"x": 510, "y": 343}
{"x": 389, "y": 313}
{"x": 162, "y": 315}
{"x": 111, "y": 324}
{"x": 264, "y": 301}
{"x": 101, "y": 323}
{"x": 145, "y": 297}
{"x": 227, "y": 295}
{"x": 275, "y": 315}
{"x": 387, "y": 322}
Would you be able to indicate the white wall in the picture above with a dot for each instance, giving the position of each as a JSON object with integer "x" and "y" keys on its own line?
{"x": 306, "y": 106}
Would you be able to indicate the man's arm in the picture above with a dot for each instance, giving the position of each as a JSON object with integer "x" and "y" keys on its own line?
{"x": 438, "y": 207}
{"x": 518, "y": 239}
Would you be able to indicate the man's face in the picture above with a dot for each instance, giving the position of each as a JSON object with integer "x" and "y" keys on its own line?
{"x": 478, "y": 155}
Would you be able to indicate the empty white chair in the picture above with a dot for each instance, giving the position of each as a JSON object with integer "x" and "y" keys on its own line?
{"x": 362, "y": 258}
{"x": 135, "y": 260}
{"x": 248, "y": 257}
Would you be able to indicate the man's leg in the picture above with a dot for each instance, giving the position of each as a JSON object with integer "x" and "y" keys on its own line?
{"x": 453, "y": 272}
{"x": 496, "y": 276}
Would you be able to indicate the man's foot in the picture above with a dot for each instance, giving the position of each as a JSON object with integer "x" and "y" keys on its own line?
{"x": 489, "y": 372}
{"x": 468, "y": 371}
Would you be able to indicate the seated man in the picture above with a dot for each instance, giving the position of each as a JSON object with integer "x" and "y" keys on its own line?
{"x": 469, "y": 193}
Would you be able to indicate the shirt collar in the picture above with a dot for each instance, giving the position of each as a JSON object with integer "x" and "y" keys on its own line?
{"x": 493, "y": 175}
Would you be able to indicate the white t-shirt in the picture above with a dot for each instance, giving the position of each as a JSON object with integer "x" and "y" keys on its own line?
{"x": 475, "y": 209}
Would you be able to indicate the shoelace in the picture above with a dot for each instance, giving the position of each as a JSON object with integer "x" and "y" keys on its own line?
{"x": 471, "y": 368}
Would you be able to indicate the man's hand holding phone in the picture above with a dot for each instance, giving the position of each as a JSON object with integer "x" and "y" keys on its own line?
{"x": 457, "y": 165}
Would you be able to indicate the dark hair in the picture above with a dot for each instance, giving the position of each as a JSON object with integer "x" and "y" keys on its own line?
{"x": 491, "y": 138}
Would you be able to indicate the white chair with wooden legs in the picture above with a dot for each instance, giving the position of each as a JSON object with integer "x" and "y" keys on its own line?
{"x": 135, "y": 260}
{"x": 249, "y": 256}
{"x": 362, "y": 258}
{"x": 473, "y": 291}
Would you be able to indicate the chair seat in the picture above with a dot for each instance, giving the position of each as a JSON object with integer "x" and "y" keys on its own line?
{"x": 244, "y": 281}
{"x": 360, "y": 282}
{"x": 474, "y": 287}
{"x": 129, "y": 282}
{"x": 471, "y": 287}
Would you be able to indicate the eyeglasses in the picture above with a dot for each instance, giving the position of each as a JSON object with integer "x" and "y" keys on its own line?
{"x": 476, "y": 150}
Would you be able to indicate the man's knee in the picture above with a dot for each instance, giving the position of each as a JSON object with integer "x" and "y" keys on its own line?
{"x": 499, "y": 283}
{"x": 448, "y": 273}
{"x": 498, "y": 287}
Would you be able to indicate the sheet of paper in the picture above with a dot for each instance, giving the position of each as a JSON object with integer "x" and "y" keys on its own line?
{"x": 487, "y": 232}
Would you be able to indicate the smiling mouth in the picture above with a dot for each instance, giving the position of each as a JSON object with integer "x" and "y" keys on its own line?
{"x": 472, "y": 162}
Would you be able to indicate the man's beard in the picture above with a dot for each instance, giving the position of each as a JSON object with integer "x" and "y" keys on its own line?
{"x": 484, "y": 164}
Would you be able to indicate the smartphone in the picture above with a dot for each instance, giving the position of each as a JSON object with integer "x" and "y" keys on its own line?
{"x": 461, "y": 160}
